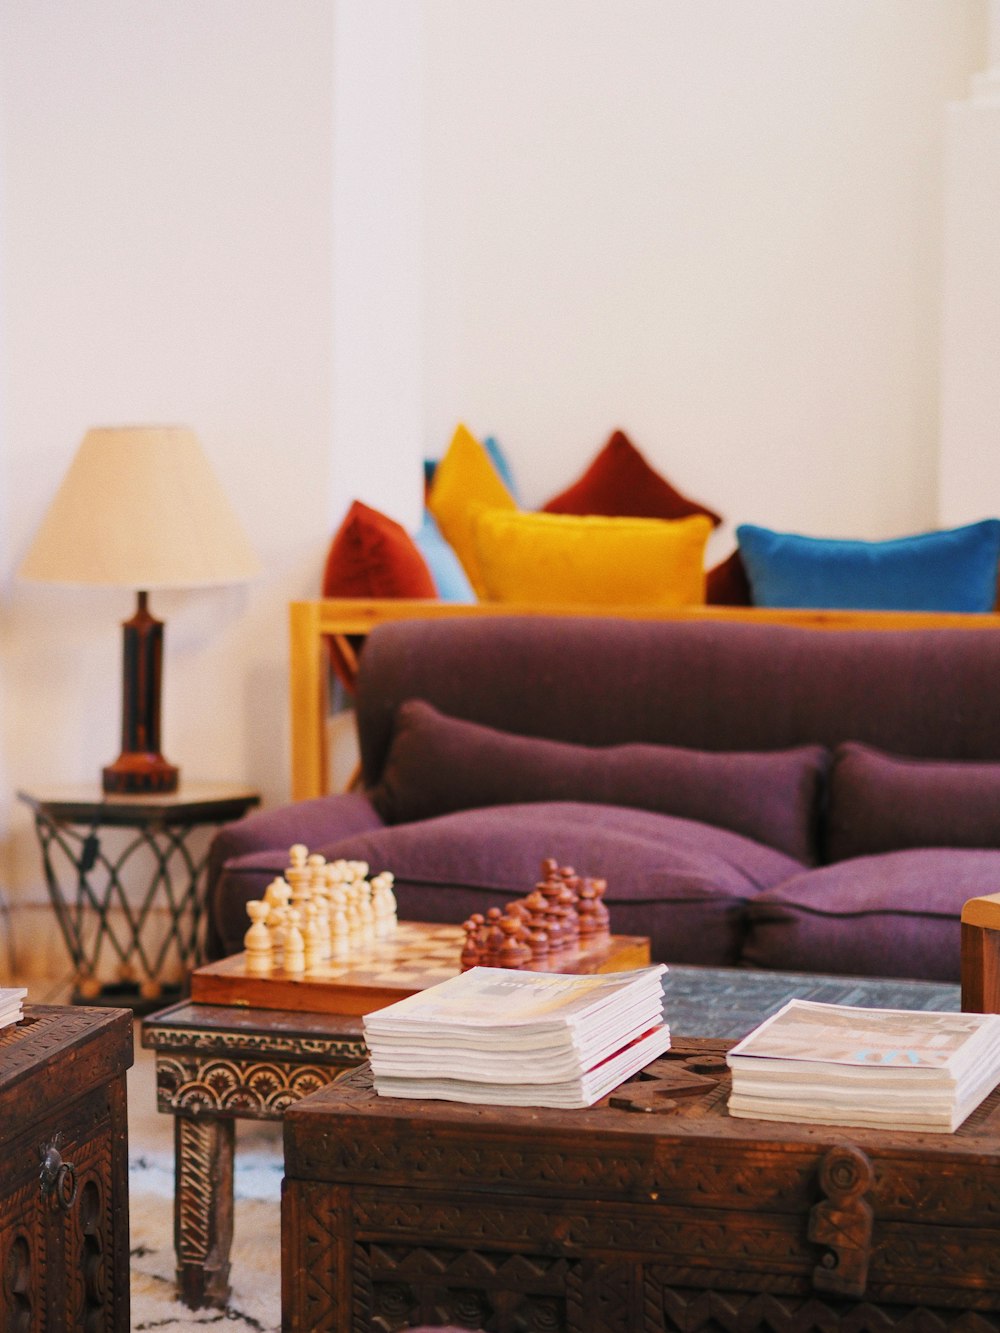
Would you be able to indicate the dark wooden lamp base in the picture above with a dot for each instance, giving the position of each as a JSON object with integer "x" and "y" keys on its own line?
{"x": 140, "y": 768}
{"x": 138, "y": 773}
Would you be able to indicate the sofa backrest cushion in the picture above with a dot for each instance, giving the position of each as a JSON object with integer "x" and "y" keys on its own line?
{"x": 439, "y": 764}
{"x": 699, "y": 684}
{"x": 884, "y": 803}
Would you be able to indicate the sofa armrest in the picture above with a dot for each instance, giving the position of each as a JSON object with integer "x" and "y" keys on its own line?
{"x": 981, "y": 955}
{"x": 324, "y": 819}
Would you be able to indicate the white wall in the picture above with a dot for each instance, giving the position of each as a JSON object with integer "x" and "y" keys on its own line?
{"x": 970, "y": 386}
{"x": 712, "y": 223}
{"x": 166, "y": 182}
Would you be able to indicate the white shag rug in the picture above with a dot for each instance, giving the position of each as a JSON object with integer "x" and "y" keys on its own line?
{"x": 255, "y": 1277}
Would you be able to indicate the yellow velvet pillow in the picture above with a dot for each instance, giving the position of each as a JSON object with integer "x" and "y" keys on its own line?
{"x": 562, "y": 559}
{"x": 465, "y": 483}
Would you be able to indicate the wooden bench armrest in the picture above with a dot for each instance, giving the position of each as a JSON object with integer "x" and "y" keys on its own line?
{"x": 981, "y": 954}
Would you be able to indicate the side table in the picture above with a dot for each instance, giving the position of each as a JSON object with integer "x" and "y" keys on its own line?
{"x": 109, "y": 895}
{"x": 216, "y": 1064}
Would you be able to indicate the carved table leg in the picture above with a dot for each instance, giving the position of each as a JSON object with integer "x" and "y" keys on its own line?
{"x": 203, "y": 1209}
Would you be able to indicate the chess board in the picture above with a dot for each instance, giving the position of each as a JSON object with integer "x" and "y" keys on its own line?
{"x": 415, "y": 956}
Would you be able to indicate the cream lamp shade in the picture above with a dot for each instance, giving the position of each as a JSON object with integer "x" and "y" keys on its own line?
{"x": 140, "y": 507}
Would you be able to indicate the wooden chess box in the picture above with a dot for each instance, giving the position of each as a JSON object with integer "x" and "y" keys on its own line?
{"x": 651, "y": 1212}
{"x": 416, "y": 955}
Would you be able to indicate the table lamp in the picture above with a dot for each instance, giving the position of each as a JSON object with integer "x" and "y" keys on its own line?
{"x": 140, "y": 507}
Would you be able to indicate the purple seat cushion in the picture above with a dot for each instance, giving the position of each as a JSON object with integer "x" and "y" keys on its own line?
{"x": 322, "y": 819}
{"x": 883, "y": 802}
{"x": 438, "y": 764}
{"x": 682, "y": 883}
{"x": 894, "y": 915}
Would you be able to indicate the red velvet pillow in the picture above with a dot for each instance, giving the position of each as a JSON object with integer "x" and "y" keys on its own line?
{"x": 371, "y": 555}
{"x": 727, "y": 584}
{"x": 621, "y": 484}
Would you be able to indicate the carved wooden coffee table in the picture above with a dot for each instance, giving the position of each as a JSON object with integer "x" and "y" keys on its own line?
{"x": 218, "y": 1063}
{"x": 248, "y": 1047}
{"x": 650, "y": 1212}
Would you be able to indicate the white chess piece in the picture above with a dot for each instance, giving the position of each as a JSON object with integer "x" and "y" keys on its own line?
{"x": 278, "y": 896}
{"x": 295, "y": 947}
{"x": 340, "y": 928}
{"x": 312, "y": 936}
{"x": 257, "y": 940}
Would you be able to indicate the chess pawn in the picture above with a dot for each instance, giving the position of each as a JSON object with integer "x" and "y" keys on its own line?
{"x": 601, "y": 914}
{"x": 298, "y": 872}
{"x": 340, "y": 928}
{"x": 257, "y": 940}
{"x": 585, "y": 908}
{"x": 538, "y": 941}
{"x": 278, "y": 895}
{"x": 513, "y": 951}
{"x": 354, "y": 916}
{"x": 571, "y": 880}
{"x": 319, "y": 904}
{"x": 316, "y": 864}
{"x": 470, "y": 947}
{"x": 570, "y": 916}
{"x": 295, "y": 945}
{"x": 278, "y": 891}
{"x": 493, "y": 935}
{"x": 366, "y": 912}
{"x": 386, "y": 906}
{"x": 312, "y": 938}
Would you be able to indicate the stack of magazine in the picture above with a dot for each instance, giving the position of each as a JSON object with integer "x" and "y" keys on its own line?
{"x": 875, "y": 1068}
{"x": 519, "y": 1038}
{"x": 11, "y": 1005}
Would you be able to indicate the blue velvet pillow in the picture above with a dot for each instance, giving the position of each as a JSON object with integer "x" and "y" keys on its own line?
{"x": 449, "y": 577}
{"x": 951, "y": 570}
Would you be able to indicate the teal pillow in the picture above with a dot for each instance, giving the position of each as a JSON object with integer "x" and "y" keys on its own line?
{"x": 502, "y": 464}
{"x": 951, "y": 570}
{"x": 497, "y": 457}
{"x": 449, "y": 577}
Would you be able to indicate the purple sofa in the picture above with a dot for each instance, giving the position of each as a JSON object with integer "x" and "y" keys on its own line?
{"x": 755, "y": 795}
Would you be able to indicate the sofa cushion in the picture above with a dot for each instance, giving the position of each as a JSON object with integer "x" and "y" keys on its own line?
{"x": 465, "y": 482}
{"x": 565, "y": 560}
{"x": 682, "y": 883}
{"x": 371, "y": 555}
{"x": 883, "y": 802}
{"x": 951, "y": 570}
{"x": 621, "y": 482}
{"x": 893, "y": 915}
{"x": 438, "y": 764}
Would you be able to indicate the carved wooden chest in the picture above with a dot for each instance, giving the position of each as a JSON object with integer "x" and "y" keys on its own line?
{"x": 64, "y": 1171}
{"x": 652, "y": 1211}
